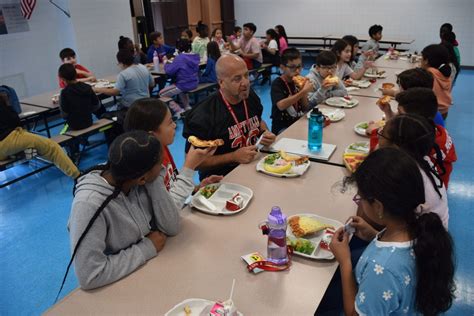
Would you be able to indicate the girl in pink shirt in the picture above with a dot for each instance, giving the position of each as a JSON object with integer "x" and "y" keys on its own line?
{"x": 283, "y": 41}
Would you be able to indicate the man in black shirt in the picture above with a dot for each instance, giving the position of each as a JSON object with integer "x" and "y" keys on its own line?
{"x": 234, "y": 114}
{"x": 14, "y": 139}
{"x": 77, "y": 101}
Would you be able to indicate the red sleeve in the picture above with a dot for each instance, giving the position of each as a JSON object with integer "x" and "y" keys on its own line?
{"x": 61, "y": 83}
{"x": 374, "y": 140}
{"x": 448, "y": 152}
{"x": 80, "y": 67}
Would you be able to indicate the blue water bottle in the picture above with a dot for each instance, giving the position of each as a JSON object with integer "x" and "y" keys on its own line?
{"x": 315, "y": 130}
{"x": 276, "y": 247}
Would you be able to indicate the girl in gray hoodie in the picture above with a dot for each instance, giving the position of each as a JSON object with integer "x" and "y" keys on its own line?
{"x": 121, "y": 213}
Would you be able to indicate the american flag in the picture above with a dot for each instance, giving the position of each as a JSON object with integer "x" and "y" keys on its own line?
{"x": 27, "y": 7}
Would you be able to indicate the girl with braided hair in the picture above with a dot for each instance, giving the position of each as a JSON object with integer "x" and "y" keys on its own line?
{"x": 121, "y": 213}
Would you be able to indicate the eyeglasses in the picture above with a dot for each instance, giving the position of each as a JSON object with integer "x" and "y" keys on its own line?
{"x": 333, "y": 67}
{"x": 294, "y": 67}
{"x": 357, "y": 198}
{"x": 380, "y": 134}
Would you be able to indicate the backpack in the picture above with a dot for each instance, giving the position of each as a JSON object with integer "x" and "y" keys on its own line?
{"x": 12, "y": 98}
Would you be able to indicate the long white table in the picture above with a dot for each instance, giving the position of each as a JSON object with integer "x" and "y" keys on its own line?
{"x": 203, "y": 259}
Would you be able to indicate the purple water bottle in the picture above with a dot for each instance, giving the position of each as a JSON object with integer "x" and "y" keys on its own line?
{"x": 276, "y": 248}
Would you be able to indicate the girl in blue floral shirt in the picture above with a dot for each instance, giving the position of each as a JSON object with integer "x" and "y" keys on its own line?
{"x": 408, "y": 267}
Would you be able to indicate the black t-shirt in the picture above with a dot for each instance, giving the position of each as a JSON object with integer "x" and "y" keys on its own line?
{"x": 9, "y": 120}
{"x": 77, "y": 102}
{"x": 212, "y": 120}
{"x": 279, "y": 91}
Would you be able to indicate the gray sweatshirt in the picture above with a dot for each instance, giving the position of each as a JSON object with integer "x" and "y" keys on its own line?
{"x": 116, "y": 244}
{"x": 182, "y": 187}
{"x": 320, "y": 94}
{"x": 371, "y": 44}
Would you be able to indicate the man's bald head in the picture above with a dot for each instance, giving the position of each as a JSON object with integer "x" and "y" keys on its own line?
{"x": 228, "y": 64}
{"x": 233, "y": 77}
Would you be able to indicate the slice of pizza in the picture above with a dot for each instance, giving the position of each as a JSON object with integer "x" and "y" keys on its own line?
{"x": 304, "y": 225}
{"x": 196, "y": 142}
{"x": 299, "y": 81}
{"x": 353, "y": 161}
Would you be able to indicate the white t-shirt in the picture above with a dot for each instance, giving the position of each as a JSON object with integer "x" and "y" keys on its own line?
{"x": 434, "y": 203}
{"x": 273, "y": 44}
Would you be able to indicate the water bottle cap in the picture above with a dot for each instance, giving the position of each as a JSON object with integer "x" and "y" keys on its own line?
{"x": 276, "y": 216}
{"x": 315, "y": 112}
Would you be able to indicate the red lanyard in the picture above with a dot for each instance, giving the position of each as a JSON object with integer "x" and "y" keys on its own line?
{"x": 235, "y": 117}
{"x": 297, "y": 104}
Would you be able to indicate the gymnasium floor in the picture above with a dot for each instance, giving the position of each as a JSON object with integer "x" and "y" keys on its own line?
{"x": 34, "y": 243}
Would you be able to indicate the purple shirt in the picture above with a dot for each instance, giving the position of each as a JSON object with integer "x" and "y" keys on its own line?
{"x": 185, "y": 68}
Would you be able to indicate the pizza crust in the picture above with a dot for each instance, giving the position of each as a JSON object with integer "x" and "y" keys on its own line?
{"x": 196, "y": 142}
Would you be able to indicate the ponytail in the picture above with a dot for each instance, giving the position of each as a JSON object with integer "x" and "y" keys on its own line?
{"x": 435, "y": 265}
{"x": 437, "y": 56}
{"x": 112, "y": 196}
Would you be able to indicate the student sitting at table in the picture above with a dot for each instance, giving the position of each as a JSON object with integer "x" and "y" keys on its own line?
{"x": 248, "y": 47}
{"x": 326, "y": 65}
{"x": 435, "y": 59}
{"x": 68, "y": 56}
{"x": 153, "y": 116}
{"x": 133, "y": 82}
{"x": 138, "y": 56}
{"x": 185, "y": 69}
{"x": 233, "y": 114}
{"x": 422, "y": 101}
{"x": 200, "y": 42}
{"x": 270, "y": 52}
{"x": 407, "y": 79}
{"x": 448, "y": 41}
{"x": 77, "y": 102}
{"x": 158, "y": 45}
{"x": 408, "y": 268}
{"x": 354, "y": 42}
{"x": 213, "y": 54}
{"x": 236, "y": 35}
{"x": 187, "y": 34}
{"x": 121, "y": 212}
{"x": 370, "y": 49}
{"x": 282, "y": 38}
{"x": 289, "y": 102}
{"x": 218, "y": 37}
{"x": 343, "y": 52}
{"x": 415, "y": 135}
{"x": 14, "y": 139}
{"x": 446, "y": 33}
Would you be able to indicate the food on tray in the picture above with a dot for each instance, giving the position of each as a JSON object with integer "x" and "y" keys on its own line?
{"x": 301, "y": 245}
{"x": 282, "y": 162}
{"x": 363, "y": 125}
{"x": 331, "y": 80}
{"x": 352, "y": 161}
{"x": 326, "y": 239}
{"x": 303, "y": 225}
{"x": 196, "y": 142}
{"x": 187, "y": 310}
{"x": 385, "y": 100}
{"x": 388, "y": 85}
{"x": 208, "y": 190}
{"x": 299, "y": 81}
{"x": 235, "y": 203}
{"x": 299, "y": 160}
